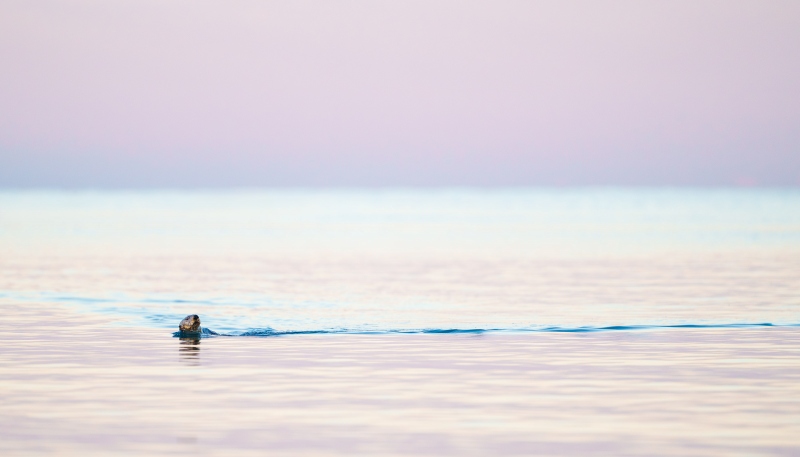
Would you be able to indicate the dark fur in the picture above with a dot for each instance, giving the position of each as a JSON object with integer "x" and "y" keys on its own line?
{"x": 190, "y": 324}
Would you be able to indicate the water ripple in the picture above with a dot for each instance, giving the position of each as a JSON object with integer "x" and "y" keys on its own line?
{"x": 269, "y": 332}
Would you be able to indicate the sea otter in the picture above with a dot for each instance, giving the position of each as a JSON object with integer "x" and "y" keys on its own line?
{"x": 190, "y": 327}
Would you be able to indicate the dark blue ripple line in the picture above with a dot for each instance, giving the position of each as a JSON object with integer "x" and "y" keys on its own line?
{"x": 268, "y": 332}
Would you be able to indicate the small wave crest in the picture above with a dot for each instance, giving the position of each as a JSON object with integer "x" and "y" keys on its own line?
{"x": 270, "y": 332}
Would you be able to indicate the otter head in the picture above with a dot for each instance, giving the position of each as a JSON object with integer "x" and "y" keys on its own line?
{"x": 190, "y": 324}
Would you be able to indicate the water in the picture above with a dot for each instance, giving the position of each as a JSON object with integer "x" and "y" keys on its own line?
{"x": 396, "y": 322}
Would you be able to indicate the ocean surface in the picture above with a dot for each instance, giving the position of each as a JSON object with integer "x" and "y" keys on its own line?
{"x": 574, "y": 321}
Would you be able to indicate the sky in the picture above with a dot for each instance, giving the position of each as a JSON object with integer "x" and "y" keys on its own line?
{"x": 239, "y": 93}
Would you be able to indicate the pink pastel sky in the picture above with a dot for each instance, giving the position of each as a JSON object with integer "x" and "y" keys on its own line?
{"x": 194, "y": 93}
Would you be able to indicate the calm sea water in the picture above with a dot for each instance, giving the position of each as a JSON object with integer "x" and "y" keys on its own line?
{"x": 397, "y": 322}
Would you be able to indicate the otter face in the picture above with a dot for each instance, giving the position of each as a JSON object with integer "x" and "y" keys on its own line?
{"x": 190, "y": 324}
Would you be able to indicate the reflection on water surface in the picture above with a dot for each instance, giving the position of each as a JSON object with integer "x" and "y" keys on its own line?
{"x": 189, "y": 350}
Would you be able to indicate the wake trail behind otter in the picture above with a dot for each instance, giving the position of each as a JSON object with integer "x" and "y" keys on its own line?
{"x": 269, "y": 332}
